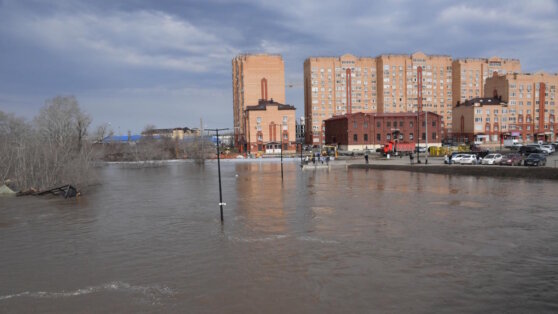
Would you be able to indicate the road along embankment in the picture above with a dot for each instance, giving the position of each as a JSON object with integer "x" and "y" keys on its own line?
{"x": 477, "y": 171}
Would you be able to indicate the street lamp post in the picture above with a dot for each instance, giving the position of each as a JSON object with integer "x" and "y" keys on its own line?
{"x": 418, "y": 137}
{"x": 301, "y": 160}
{"x": 221, "y": 204}
{"x": 281, "y": 156}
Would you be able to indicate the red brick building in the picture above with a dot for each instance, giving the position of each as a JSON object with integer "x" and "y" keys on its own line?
{"x": 361, "y": 130}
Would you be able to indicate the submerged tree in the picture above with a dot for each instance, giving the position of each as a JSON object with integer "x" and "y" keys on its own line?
{"x": 51, "y": 150}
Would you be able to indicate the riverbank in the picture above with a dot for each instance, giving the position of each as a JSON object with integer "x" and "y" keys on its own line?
{"x": 477, "y": 171}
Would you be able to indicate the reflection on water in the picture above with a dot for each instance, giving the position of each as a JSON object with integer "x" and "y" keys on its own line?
{"x": 150, "y": 240}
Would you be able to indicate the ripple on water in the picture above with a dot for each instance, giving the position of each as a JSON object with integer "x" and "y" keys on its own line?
{"x": 153, "y": 292}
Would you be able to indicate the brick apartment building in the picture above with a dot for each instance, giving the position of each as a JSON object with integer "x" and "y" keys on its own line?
{"x": 270, "y": 127}
{"x": 336, "y": 86}
{"x": 481, "y": 120}
{"x": 358, "y": 131}
{"x": 470, "y": 74}
{"x": 531, "y": 100}
{"x": 389, "y": 84}
{"x": 254, "y": 77}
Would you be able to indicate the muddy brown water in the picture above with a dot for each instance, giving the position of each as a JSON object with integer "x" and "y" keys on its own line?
{"x": 339, "y": 241}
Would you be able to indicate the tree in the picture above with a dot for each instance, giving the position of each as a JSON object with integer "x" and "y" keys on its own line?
{"x": 62, "y": 123}
{"x": 48, "y": 152}
{"x": 102, "y": 132}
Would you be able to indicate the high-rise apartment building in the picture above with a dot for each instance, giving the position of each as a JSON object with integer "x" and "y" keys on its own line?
{"x": 335, "y": 86}
{"x": 470, "y": 74}
{"x": 398, "y": 85}
{"x": 531, "y": 100}
{"x": 255, "y": 77}
{"x": 386, "y": 84}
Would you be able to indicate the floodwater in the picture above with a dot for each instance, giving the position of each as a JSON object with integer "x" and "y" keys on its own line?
{"x": 340, "y": 241}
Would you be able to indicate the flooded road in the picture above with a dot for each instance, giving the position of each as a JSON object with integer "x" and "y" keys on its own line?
{"x": 150, "y": 240}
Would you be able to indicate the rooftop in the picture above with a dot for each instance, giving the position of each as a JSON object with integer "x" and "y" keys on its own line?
{"x": 483, "y": 101}
{"x": 263, "y": 103}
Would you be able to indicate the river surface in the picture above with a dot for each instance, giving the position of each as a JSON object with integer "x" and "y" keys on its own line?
{"x": 340, "y": 241}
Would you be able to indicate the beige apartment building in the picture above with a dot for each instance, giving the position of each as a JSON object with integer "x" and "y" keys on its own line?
{"x": 335, "y": 86}
{"x": 255, "y": 77}
{"x": 270, "y": 127}
{"x": 384, "y": 84}
{"x": 531, "y": 100}
{"x": 481, "y": 120}
{"x": 398, "y": 85}
{"x": 470, "y": 74}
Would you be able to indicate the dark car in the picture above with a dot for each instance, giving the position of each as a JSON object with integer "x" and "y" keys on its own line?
{"x": 526, "y": 150}
{"x": 535, "y": 159}
{"x": 512, "y": 160}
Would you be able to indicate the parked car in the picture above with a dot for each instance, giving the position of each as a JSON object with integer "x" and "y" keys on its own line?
{"x": 529, "y": 149}
{"x": 468, "y": 160}
{"x": 550, "y": 148}
{"x": 492, "y": 159}
{"x": 545, "y": 150}
{"x": 455, "y": 159}
{"x": 535, "y": 159}
{"x": 420, "y": 149}
{"x": 512, "y": 160}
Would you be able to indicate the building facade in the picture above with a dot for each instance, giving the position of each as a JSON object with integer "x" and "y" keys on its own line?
{"x": 384, "y": 84}
{"x": 481, "y": 120}
{"x": 531, "y": 100}
{"x": 270, "y": 127}
{"x": 359, "y": 131}
{"x": 470, "y": 74}
{"x": 254, "y": 77}
{"x": 300, "y": 130}
{"x": 399, "y": 86}
{"x": 335, "y": 86}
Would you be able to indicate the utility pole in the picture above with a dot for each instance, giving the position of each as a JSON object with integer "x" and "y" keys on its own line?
{"x": 221, "y": 204}
{"x": 419, "y": 108}
{"x": 426, "y": 136}
{"x": 281, "y": 154}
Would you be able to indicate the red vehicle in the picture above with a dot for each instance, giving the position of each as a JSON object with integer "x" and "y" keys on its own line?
{"x": 395, "y": 148}
{"x": 512, "y": 160}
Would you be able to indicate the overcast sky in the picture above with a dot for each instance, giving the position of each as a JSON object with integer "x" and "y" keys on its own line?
{"x": 168, "y": 63}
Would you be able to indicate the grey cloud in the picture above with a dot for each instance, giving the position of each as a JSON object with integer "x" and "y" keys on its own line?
{"x": 170, "y": 60}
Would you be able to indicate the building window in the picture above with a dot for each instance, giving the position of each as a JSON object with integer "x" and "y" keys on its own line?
{"x": 379, "y": 124}
{"x": 355, "y": 124}
{"x": 433, "y": 123}
{"x": 259, "y": 119}
{"x": 355, "y": 137}
{"x": 423, "y": 136}
{"x": 411, "y": 125}
{"x": 388, "y": 136}
{"x": 366, "y": 137}
{"x": 388, "y": 124}
{"x": 378, "y": 137}
{"x": 411, "y": 136}
{"x": 433, "y": 135}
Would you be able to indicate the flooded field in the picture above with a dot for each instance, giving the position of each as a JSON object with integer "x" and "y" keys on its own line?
{"x": 338, "y": 241}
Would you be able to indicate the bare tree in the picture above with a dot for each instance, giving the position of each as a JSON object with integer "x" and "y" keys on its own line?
{"x": 102, "y": 132}
{"x": 51, "y": 150}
